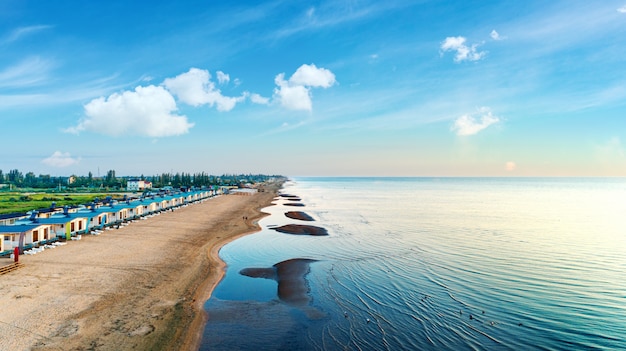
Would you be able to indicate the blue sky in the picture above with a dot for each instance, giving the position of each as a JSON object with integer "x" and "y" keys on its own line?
{"x": 358, "y": 88}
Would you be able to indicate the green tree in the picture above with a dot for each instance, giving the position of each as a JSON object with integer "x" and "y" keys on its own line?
{"x": 15, "y": 177}
{"x": 44, "y": 181}
{"x": 30, "y": 180}
{"x": 110, "y": 179}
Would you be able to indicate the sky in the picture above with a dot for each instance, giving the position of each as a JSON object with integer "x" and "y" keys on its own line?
{"x": 316, "y": 88}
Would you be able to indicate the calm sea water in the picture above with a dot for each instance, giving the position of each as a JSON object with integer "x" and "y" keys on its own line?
{"x": 431, "y": 264}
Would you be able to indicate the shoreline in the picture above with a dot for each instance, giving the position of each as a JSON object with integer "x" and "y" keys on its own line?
{"x": 140, "y": 287}
{"x": 193, "y": 337}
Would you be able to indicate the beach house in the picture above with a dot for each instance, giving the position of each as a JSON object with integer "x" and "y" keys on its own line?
{"x": 54, "y": 223}
{"x": 136, "y": 184}
{"x": 66, "y": 224}
{"x": 23, "y": 236}
{"x": 11, "y": 218}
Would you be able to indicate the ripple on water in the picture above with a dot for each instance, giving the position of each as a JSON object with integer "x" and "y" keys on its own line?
{"x": 543, "y": 259}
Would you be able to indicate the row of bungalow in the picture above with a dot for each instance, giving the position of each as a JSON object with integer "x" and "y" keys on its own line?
{"x": 47, "y": 226}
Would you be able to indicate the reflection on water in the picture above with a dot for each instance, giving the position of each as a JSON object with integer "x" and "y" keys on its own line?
{"x": 290, "y": 275}
{"x": 436, "y": 264}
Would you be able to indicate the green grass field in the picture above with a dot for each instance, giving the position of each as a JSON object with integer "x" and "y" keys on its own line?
{"x": 11, "y": 202}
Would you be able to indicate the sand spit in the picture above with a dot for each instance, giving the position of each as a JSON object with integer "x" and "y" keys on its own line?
{"x": 299, "y": 215}
{"x": 298, "y": 204}
{"x": 300, "y": 229}
{"x": 141, "y": 287}
{"x": 291, "y": 277}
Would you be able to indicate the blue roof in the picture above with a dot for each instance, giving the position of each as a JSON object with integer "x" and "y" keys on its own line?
{"x": 18, "y": 228}
{"x": 13, "y": 215}
{"x": 94, "y": 213}
{"x": 122, "y": 205}
{"x": 54, "y": 220}
{"x": 26, "y": 224}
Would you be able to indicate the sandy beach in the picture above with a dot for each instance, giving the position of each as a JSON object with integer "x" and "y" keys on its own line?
{"x": 141, "y": 287}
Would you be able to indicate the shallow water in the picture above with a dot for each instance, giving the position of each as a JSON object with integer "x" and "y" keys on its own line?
{"x": 452, "y": 263}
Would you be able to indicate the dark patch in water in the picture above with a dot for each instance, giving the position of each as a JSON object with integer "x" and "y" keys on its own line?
{"x": 294, "y": 204}
{"x": 290, "y": 275}
{"x": 299, "y": 215}
{"x": 299, "y": 229}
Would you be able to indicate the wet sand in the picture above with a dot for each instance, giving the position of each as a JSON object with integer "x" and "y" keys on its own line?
{"x": 141, "y": 287}
{"x": 299, "y": 229}
{"x": 299, "y": 215}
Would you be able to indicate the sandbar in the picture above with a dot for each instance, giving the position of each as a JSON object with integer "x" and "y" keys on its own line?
{"x": 291, "y": 277}
{"x": 299, "y": 215}
{"x": 300, "y": 229}
{"x": 141, "y": 287}
{"x": 298, "y": 204}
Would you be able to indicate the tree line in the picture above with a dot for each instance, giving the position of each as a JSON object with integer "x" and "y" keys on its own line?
{"x": 16, "y": 179}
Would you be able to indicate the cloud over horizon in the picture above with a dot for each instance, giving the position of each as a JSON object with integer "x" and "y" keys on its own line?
{"x": 463, "y": 52}
{"x": 60, "y": 160}
{"x": 146, "y": 111}
{"x": 295, "y": 93}
{"x": 151, "y": 110}
{"x": 195, "y": 88}
{"x": 470, "y": 125}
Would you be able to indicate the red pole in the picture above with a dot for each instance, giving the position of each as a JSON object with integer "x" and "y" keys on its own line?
{"x": 16, "y": 254}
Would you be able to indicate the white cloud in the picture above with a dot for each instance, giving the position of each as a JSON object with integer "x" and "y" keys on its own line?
{"x": 310, "y": 75}
{"x": 295, "y": 94}
{"x": 191, "y": 87}
{"x": 470, "y": 125}
{"x": 295, "y": 97}
{"x": 146, "y": 111}
{"x": 20, "y": 32}
{"x": 258, "y": 99}
{"x": 510, "y": 166}
{"x": 463, "y": 52}
{"x": 222, "y": 77}
{"x": 195, "y": 88}
{"x": 622, "y": 9}
{"x": 495, "y": 35}
{"x": 29, "y": 72}
{"x": 60, "y": 159}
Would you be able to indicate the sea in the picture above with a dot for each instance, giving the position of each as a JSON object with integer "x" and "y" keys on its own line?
{"x": 433, "y": 264}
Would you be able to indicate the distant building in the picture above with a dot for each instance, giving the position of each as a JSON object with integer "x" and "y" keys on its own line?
{"x": 136, "y": 184}
{"x": 242, "y": 191}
